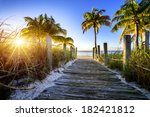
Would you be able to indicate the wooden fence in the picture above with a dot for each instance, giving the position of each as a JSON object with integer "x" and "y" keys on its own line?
{"x": 126, "y": 51}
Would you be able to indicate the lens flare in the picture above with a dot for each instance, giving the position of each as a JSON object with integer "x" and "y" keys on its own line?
{"x": 18, "y": 42}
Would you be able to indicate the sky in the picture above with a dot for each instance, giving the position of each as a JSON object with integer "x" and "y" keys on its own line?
{"x": 69, "y": 13}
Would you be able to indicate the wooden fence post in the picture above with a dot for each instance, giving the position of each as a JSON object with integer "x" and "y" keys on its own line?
{"x": 70, "y": 52}
{"x": 64, "y": 48}
{"x": 98, "y": 51}
{"x": 93, "y": 52}
{"x": 146, "y": 40}
{"x": 105, "y": 54}
{"x": 76, "y": 52}
{"x": 127, "y": 50}
{"x": 49, "y": 51}
{"x": 73, "y": 52}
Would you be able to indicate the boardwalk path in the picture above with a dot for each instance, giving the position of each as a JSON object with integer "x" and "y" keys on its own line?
{"x": 87, "y": 79}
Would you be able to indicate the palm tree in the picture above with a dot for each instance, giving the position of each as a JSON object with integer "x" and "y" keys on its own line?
{"x": 131, "y": 18}
{"x": 41, "y": 26}
{"x": 63, "y": 40}
{"x": 41, "y": 29}
{"x": 95, "y": 19}
{"x": 145, "y": 8}
{"x": 34, "y": 29}
{"x": 53, "y": 28}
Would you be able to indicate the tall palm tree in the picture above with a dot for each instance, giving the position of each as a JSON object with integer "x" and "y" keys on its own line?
{"x": 131, "y": 18}
{"x": 95, "y": 19}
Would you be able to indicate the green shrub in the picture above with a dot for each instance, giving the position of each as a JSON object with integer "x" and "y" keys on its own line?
{"x": 115, "y": 61}
{"x": 141, "y": 59}
{"x": 115, "y": 64}
{"x": 57, "y": 57}
{"x": 128, "y": 73}
{"x": 101, "y": 58}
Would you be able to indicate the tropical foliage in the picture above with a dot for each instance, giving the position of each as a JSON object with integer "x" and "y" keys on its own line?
{"x": 42, "y": 26}
{"x": 139, "y": 69}
{"x": 63, "y": 41}
{"x": 133, "y": 17}
{"x": 26, "y": 61}
{"x": 95, "y": 19}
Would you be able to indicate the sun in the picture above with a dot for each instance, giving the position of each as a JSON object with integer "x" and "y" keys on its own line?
{"x": 18, "y": 42}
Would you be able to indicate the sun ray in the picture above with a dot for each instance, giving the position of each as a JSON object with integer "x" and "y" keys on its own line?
{"x": 11, "y": 55}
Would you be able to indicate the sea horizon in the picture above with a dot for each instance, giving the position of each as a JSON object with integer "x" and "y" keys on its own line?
{"x": 90, "y": 52}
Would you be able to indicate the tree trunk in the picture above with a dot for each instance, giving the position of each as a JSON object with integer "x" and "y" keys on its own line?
{"x": 137, "y": 36}
{"x": 95, "y": 42}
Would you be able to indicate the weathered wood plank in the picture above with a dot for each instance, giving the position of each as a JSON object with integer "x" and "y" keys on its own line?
{"x": 86, "y": 80}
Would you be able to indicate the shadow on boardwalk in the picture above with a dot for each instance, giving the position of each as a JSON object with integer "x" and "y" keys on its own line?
{"x": 86, "y": 79}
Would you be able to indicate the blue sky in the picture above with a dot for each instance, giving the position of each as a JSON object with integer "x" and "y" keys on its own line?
{"x": 69, "y": 13}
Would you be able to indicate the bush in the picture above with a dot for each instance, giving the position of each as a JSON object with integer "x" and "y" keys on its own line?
{"x": 25, "y": 61}
{"x": 141, "y": 59}
{"x": 57, "y": 57}
{"x": 128, "y": 73}
{"x": 115, "y": 61}
{"x": 28, "y": 61}
{"x": 115, "y": 64}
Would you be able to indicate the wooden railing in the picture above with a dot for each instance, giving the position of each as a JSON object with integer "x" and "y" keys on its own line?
{"x": 121, "y": 60}
{"x": 146, "y": 69}
{"x": 114, "y": 59}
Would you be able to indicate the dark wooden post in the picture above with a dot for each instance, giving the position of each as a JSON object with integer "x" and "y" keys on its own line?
{"x": 105, "y": 54}
{"x": 146, "y": 40}
{"x": 64, "y": 48}
{"x": 98, "y": 51}
{"x": 76, "y": 52}
{"x": 49, "y": 51}
{"x": 70, "y": 52}
{"x": 93, "y": 52}
{"x": 73, "y": 52}
{"x": 127, "y": 50}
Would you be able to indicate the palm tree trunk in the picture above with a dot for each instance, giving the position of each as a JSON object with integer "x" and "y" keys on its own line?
{"x": 95, "y": 42}
{"x": 137, "y": 36}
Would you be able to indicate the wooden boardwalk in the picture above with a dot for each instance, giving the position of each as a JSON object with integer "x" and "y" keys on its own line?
{"x": 89, "y": 80}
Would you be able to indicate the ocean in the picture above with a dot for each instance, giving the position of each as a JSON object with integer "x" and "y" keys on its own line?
{"x": 89, "y": 53}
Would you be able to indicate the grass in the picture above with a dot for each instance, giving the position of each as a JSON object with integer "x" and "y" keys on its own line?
{"x": 115, "y": 61}
{"x": 134, "y": 69}
{"x": 141, "y": 59}
{"x": 27, "y": 61}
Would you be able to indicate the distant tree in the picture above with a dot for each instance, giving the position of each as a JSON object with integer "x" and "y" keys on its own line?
{"x": 95, "y": 19}
{"x": 63, "y": 40}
